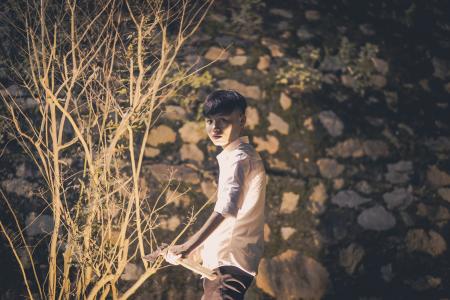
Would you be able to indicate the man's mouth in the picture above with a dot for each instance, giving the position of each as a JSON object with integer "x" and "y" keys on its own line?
{"x": 217, "y": 136}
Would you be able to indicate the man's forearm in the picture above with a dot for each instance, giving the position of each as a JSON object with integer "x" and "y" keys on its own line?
{"x": 210, "y": 225}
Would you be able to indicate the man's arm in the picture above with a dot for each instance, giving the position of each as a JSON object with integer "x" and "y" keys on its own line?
{"x": 193, "y": 242}
{"x": 226, "y": 205}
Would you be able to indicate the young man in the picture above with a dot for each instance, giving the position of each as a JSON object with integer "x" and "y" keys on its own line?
{"x": 233, "y": 235}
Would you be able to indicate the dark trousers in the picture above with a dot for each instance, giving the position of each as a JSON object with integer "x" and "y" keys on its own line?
{"x": 230, "y": 284}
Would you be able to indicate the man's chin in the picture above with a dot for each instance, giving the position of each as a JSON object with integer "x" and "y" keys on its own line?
{"x": 219, "y": 142}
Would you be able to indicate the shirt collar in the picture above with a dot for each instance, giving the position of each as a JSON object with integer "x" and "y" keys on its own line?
{"x": 233, "y": 145}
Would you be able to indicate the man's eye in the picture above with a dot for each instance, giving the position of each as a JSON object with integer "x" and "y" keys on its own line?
{"x": 208, "y": 122}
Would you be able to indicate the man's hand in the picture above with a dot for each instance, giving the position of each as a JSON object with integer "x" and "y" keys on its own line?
{"x": 183, "y": 250}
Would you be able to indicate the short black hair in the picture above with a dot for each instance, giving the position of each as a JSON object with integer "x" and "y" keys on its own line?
{"x": 223, "y": 102}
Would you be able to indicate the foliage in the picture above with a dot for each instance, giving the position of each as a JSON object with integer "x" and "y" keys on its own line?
{"x": 246, "y": 17}
{"x": 302, "y": 74}
{"x": 358, "y": 63}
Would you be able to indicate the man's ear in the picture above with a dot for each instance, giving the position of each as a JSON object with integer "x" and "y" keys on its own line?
{"x": 243, "y": 120}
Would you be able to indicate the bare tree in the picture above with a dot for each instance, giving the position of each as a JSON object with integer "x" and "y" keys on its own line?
{"x": 98, "y": 70}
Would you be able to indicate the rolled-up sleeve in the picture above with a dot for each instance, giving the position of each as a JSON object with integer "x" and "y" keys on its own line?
{"x": 231, "y": 186}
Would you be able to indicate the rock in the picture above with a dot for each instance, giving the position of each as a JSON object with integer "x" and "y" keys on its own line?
{"x": 177, "y": 198}
{"x": 194, "y": 60}
{"x": 348, "y": 148}
{"x": 377, "y": 122}
{"x": 439, "y": 144}
{"x": 349, "y": 198}
{"x": 266, "y": 233}
{"x": 37, "y": 224}
{"x": 292, "y": 275}
{"x": 192, "y": 132}
{"x": 161, "y": 135}
{"x": 331, "y": 122}
{"x": 191, "y": 152}
{"x": 426, "y": 283}
{"x": 329, "y": 78}
{"x": 367, "y": 29}
{"x": 386, "y": 272}
{"x": 248, "y": 91}
{"x": 442, "y": 105}
{"x": 304, "y": 34}
{"x": 399, "y": 198}
{"x": 19, "y": 186}
{"x": 308, "y": 124}
{"x": 27, "y": 103}
{"x": 376, "y": 218}
{"x": 312, "y": 15}
{"x": 269, "y": 144}
{"x": 378, "y": 81}
{"x": 329, "y": 168}
{"x": 287, "y": 232}
{"x": 216, "y": 53}
{"x": 278, "y": 124}
{"x": 281, "y": 13}
{"x": 331, "y": 64}
{"x": 263, "y": 62}
{"x": 338, "y": 183}
{"x": 391, "y": 100}
{"x": 441, "y": 68}
{"x": 436, "y": 214}
{"x": 132, "y": 272}
{"x": 447, "y": 87}
{"x": 14, "y": 91}
{"x": 316, "y": 204}
{"x": 348, "y": 81}
{"x": 275, "y": 163}
{"x": 399, "y": 172}
{"x": 180, "y": 173}
{"x": 285, "y": 101}
{"x": 289, "y": 203}
{"x": 23, "y": 171}
{"x": 406, "y": 218}
{"x": 24, "y": 257}
{"x": 429, "y": 242}
{"x": 238, "y": 60}
{"x": 350, "y": 257}
{"x": 284, "y": 26}
{"x": 175, "y": 113}
{"x": 151, "y": 152}
{"x": 275, "y": 48}
{"x": 171, "y": 223}
{"x": 363, "y": 187}
{"x": 375, "y": 148}
{"x": 240, "y": 51}
{"x": 380, "y": 65}
{"x": 208, "y": 188}
{"x": 437, "y": 178}
{"x": 252, "y": 117}
{"x": 444, "y": 193}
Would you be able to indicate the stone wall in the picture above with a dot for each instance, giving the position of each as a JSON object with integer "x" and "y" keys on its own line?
{"x": 349, "y": 107}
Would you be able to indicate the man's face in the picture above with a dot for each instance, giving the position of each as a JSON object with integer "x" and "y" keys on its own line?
{"x": 223, "y": 129}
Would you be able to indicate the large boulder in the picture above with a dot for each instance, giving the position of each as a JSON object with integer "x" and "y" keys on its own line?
{"x": 292, "y": 275}
{"x": 429, "y": 242}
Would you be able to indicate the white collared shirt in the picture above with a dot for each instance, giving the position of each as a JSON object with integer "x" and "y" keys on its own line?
{"x": 239, "y": 238}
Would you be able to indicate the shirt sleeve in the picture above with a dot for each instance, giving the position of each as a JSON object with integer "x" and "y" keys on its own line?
{"x": 231, "y": 188}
